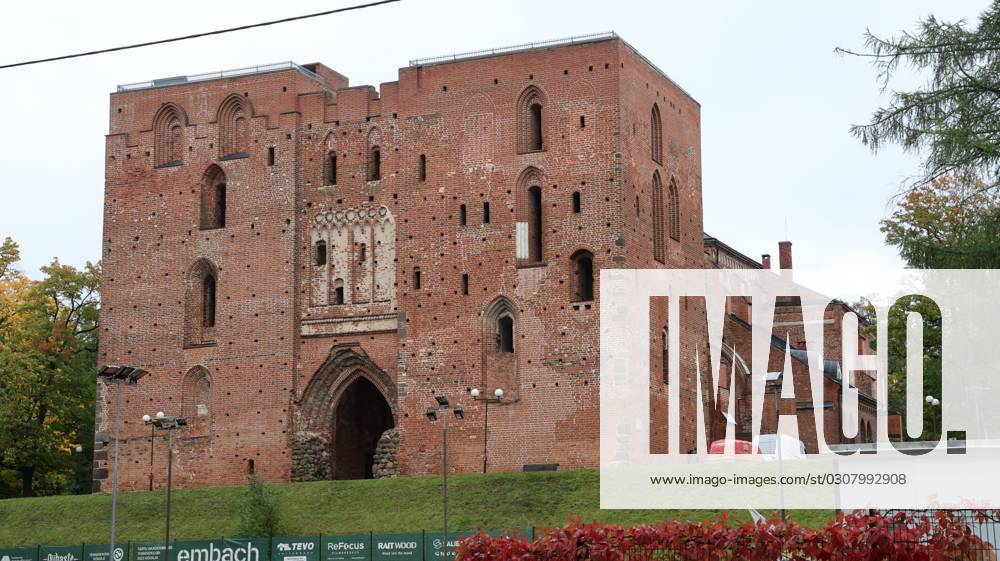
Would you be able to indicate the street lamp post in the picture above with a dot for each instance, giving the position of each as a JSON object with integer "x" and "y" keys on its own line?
{"x": 117, "y": 376}
{"x": 497, "y": 396}
{"x": 152, "y": 448}
{"x": 169, "y": 424}
{"x": 935, "y": 403}
{"x": 432, "y": 415}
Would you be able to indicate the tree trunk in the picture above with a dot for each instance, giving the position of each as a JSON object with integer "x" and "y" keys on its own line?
{"x": 27, "y": 481}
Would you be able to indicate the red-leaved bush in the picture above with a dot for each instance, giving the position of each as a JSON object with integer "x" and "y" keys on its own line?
{"x": 853, "y": 537}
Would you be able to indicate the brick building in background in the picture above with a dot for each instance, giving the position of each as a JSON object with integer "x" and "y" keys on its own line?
{"x": 303, "y": 266}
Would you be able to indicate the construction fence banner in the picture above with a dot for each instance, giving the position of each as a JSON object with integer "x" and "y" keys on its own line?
{"x": 398, "y": 547}
{"x": 297, "y": 548}
{"x": 410, "y": 546}
{"x": 353, "y": 547}
{"x": 60, "y": 552}
{"x": 100, "y": 552}
{"x": 19, "y": 553}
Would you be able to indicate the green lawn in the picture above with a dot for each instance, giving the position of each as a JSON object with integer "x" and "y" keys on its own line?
{"x": 494, "y": 501}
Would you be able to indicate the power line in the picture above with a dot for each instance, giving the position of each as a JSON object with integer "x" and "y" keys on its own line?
{"x": 197, "y": 35}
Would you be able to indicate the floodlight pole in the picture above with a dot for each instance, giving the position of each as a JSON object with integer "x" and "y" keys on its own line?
{"x": 170, "y": 485}
{"x": 114, "y": 481}
{"x": 444, "y": 436}
{"x": 117, "y": 376}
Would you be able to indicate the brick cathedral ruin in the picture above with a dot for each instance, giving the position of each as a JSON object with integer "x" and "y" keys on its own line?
{"x": 303, "y": 265}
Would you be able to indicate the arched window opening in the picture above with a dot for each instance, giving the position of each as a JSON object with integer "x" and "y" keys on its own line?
{"x": 375, "y": 164}
{"x": 338, "y": 291}
{"x": 362, "y": 253}
{"x": 577, "y": 206}
{"x": 422, "y": 168}
{"x": 416, "y": 278}
{"x": 656, "y": 135}
{"x": 674, "y": 212}
{"x": 535, "y": 224}
{"x": 320, "y": 253}
{"x": 200, "y": 308}
{"x": 208, "y": 301}
{"x": 168, "y": 136}
{"x": 213, "y": 199}
{"x": 583, "y": 276}
{"x": 665, "y": 355}
{"x": 658, "y": 241}
{"x": 536, "y": 126}
{"x": 530, "y": 120}
{"x": 505, "y": 334}
{"x": 331, "y": 168}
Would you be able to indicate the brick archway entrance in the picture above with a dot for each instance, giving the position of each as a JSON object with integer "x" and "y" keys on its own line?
{"x": 344, "y": 411}
{"x": 362, "y": 415}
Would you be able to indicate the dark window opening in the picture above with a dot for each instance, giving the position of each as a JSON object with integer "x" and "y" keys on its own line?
{"x": 208, "y": 301}
{"x": 665, "y": 356}
{"x": 486, "y": 213}
{"x": 673, "y": 210}
{"x": 220, "y": 205}
{"x": 505, "y": 334}
{"x": 583, "y": 269}
{"x": 362, "y": 253}
{"x": 338, "y": 291}
{"x": 535, "y": 224}
{"x": 270, "y": 155}
{"x": 416, "y": 278}
{"x": 462, "y": 215}
{"x": 535, "y": 129}
{"x": 251, "y": 467}
{"x": 213, "y": 199}
{"x": 320, "y": 253}
{"x": 375, "y": 166}
{"x": 576, "y": 202}
{"x": 422, "y": 169}
{"x": 331, "y": 169}
{"x": 465, "y": 284}
{"x": 583, "y": 122}
{"x": 658, "y": 241}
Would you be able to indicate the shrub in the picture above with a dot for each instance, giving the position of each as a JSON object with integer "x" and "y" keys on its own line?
{"x": 853, "y": 537}
{"x": 259, "y": 511}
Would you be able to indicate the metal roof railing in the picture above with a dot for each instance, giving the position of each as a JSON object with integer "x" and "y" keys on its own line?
{"x": 514, "y": 48}
{"x": 246, "y": 71}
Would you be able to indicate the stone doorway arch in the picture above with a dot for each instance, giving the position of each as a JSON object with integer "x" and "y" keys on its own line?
{"x": 344, "y": 412}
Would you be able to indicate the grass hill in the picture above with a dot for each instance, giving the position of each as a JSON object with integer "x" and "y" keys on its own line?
{"x": 493, "y": 501}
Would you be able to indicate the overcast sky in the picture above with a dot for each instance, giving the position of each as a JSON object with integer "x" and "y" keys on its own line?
{"x": 776, "y": 100}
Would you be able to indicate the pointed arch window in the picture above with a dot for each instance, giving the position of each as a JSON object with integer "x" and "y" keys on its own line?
{"x": 338, "y": 291}
{"x": 530, "y": 120}
{"x": 168, "y": 137}
{"x": 331, "y": 168}
{"x": 234, "y": 127}
{"x": 656, "y": 134}
{"x": 197, "y": 394}
{"x": 658, "y": 242}
{"x": 505, "y": 334}
{"x": 213, "y": 199}
{"x": 202, "y": 301}
{"x": 673, "y": 212}
{"x": 374, "y": 164}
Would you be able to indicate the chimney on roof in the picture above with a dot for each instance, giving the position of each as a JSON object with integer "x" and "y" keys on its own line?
{"x": 765, "y": 261}
{"x": 785, "y": 255}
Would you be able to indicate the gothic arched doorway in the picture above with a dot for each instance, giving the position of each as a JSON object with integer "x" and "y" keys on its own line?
{"x": 362, "y": 415}
{"x": 345, "y": 410}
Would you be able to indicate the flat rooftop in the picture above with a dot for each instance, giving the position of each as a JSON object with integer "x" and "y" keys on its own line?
{"x": 415, "y": 63}
{"x": 221, "y": 74}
